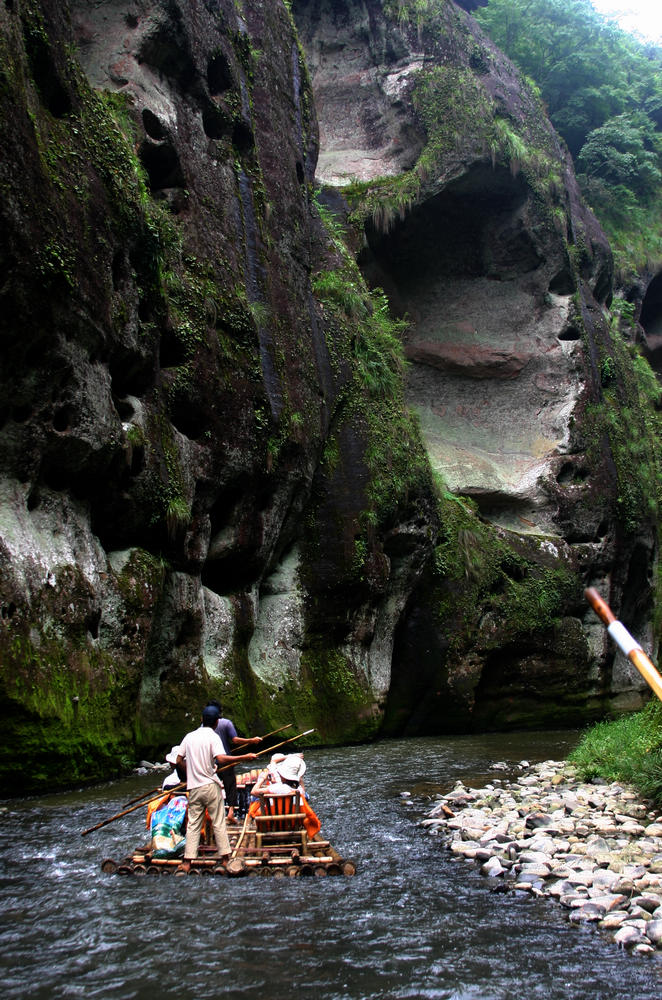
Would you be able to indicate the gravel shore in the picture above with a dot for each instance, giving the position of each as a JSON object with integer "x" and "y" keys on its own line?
{"x": 595, "y": 848}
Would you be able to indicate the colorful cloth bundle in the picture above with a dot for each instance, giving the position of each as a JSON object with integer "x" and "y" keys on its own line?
{"x": 167, "y": 828}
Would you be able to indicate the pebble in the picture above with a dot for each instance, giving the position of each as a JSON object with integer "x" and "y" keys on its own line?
{"x": 594, "y": 848}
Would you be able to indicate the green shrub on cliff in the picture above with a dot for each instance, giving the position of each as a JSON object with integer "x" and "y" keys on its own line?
{"x": 603, "y": 92}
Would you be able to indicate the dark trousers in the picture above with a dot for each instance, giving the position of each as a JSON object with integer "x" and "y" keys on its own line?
{"x": 229, "y": 779}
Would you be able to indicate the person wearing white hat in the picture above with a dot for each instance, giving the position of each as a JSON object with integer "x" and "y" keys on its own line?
{"x": 173, "y": 778}
{"x": 283, "y": 775}
{"x": 289, "y": 772}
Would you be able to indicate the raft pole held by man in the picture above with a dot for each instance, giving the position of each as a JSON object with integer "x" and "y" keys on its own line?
{"x": 626, "y": 643}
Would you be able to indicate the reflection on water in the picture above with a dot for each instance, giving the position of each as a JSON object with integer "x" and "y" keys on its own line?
{"x": 413, "y": 923}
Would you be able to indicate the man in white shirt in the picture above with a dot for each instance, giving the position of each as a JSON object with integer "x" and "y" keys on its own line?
{"x": 202, "y": 751}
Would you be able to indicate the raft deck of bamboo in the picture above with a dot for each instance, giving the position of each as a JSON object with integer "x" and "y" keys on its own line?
{"x": 281, "y": 860}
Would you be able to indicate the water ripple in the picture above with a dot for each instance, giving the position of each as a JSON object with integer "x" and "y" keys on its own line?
{"x": 412, "y": 924}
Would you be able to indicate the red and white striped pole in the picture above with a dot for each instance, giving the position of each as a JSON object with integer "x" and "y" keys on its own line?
{"x": 624, "y": 641}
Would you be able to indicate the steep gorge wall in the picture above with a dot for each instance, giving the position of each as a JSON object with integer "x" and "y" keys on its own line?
{"x": 183, "y": 425}
{"x": 211, "y": 485}
{"x": 466, "y": 211}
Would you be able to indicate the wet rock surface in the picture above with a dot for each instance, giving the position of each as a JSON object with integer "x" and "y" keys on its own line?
{"x": 593, "y": 848}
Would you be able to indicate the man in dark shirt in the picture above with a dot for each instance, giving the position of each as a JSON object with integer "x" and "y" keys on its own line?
{"x": 226, "y": 730}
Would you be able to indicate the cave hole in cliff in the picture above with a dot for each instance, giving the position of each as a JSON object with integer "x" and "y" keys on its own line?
{"x": 173, "y": 352}
{"x": 242, "y": 137}
{"x": 92, "y": 623}
{"x": 62, "y": 419}
{"x": 8, "y": 610}
{"x": 571, "y": 474}
{"x": 219, "y": 74}
{"x": 131, "y": 374}
{"x": 33, "y": 499}
{"x": 471, "y": 229}
{"x": 166, "y": 49}
{"x": 162, "y": 165}
{"x": 153, "y": 125}
{"x": 570, "y": 333}
{"x": 300, "y": 172}
{"x": 651, "y": 321}
{"x": 45, "y": 73}
{"x": 563, "y": 282}
{"x": 125, "y": 408}
{"x": 216, "y": 123}
{"x": 188, "y": 417}
{"x": 235, "y": 537}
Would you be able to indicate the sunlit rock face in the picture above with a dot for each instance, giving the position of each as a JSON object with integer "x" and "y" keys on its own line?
{"x": 474, "y": 260}
{"x": 472, "y": 223}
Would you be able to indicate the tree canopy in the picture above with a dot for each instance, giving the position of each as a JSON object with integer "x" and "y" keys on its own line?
{"x": 603, "y": 92}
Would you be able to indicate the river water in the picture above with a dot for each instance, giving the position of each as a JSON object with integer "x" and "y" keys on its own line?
{"x": 413, "y": 922}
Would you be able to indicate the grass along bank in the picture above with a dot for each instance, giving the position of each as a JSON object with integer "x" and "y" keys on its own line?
{"x": 626, "y": 749}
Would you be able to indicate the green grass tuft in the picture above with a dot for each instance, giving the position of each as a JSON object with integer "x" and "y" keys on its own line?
{"x": 627, "y": 749}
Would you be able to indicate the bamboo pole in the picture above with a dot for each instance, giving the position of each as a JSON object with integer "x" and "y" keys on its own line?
{"x": 241, "y": 837}
{"x": 182, "y": 786}
{"x": 270, "y": 749}
{"x": 629, "y": 646}
{"x": 266, "y": 735}
{"x": 179, "y": 789}
{"x": 145, "y": 795}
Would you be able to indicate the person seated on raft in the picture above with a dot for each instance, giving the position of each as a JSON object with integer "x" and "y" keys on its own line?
{"x": 174, "y": 778}
{"x": 282, "y": 777}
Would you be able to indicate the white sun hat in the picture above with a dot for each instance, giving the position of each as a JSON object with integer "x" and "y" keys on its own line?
{"x": 292, "y": 768}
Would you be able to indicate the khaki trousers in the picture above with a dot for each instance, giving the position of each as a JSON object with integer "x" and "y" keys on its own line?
{"x": 209, "y": 797}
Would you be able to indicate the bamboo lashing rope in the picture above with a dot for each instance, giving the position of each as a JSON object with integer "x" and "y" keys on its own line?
{"x": 629, "y": 646}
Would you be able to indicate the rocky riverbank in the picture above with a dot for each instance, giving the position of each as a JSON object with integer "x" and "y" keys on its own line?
{"x": 595, "y": 848}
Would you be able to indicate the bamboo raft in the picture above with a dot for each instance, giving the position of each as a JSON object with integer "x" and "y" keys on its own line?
{"x": 273, "y": 842}
{"x": 280, "y": 860}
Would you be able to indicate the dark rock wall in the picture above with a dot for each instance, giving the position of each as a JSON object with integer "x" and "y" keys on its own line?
{"x": 211, "y": 484}
{"x": 183, "y": 426}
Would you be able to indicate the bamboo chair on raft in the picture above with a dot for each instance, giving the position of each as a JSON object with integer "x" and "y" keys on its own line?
{"x": 280, "y": 822}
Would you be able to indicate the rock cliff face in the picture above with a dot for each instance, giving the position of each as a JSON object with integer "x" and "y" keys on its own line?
{"x": 469, "y": 216}
{"x": 211, "y": 485}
